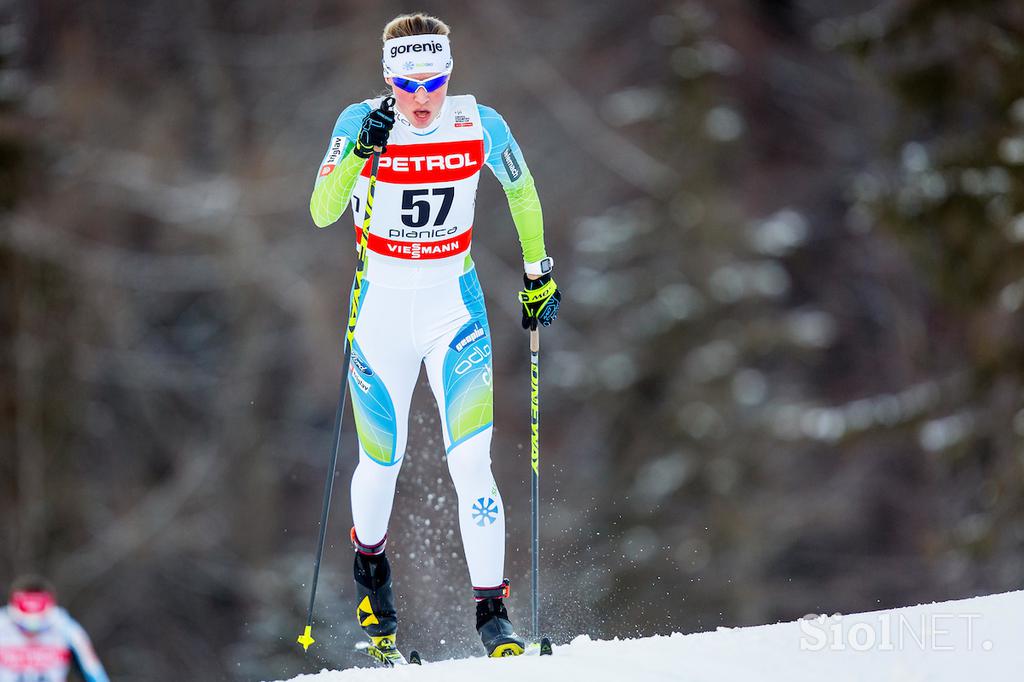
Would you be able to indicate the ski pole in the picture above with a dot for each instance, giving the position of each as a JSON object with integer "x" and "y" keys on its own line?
{"x": 306, "y": 638}
{"x": 535, "y": 483}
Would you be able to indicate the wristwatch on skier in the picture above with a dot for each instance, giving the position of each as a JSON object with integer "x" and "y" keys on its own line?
{"x": 541, "y": 267}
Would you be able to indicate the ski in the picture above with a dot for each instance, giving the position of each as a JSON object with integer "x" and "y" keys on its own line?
{"x": 388, "y": 658}
{"x": 543, "y": 648}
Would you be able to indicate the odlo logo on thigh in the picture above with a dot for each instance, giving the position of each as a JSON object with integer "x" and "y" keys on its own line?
{"x": 475, "y": 357}
{"x": 485, "y": 511}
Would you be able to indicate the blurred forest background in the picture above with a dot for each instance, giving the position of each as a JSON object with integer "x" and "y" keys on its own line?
{"x": 786, "y": 379}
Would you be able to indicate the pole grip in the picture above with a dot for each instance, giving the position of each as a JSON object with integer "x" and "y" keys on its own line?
{"x": 534, "y": 340}
{"x": 387, "y": 105}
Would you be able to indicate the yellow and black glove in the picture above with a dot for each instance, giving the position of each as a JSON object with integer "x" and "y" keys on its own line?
{"x": 541, "y": 300}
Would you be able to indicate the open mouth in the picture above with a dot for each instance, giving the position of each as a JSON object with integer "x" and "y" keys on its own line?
{"x": 421, "y": 115}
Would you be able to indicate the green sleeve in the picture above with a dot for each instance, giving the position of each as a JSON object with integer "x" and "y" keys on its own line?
{"x": 333, "y": 191}
{"x": 524, "y": 203}
{"x": 340, "y": 168}
{"x": 505, "y": 159}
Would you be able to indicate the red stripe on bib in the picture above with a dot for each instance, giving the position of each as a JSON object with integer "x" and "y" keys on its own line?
{"x": 34, "y": 657}
{"x": 417, "y": 250}
{"x": 409, "y": 164}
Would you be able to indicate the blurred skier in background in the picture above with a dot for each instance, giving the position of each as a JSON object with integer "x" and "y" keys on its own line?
{"x": 39, "y": 640}
{"x": 422, "y": 304}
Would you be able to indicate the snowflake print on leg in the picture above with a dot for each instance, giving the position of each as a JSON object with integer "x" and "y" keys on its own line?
{"x": 485, "y": 511}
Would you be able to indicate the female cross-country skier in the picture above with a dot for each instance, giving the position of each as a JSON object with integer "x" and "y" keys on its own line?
{"x": 39, "y": 640}
{"x": 422, "y": 303}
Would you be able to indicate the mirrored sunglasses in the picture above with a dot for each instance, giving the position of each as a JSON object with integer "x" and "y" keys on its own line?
{"x": 412, "y": 85}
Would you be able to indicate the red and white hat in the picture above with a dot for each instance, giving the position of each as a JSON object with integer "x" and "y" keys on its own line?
{"x": 32, "y": 610}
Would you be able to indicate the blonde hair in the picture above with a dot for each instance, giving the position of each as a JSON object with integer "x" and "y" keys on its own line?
{"x": 414, "y": 25}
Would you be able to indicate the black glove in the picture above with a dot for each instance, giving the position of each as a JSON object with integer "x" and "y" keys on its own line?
{"x": 541, "y": 299}
{"x": 375, "y": 130}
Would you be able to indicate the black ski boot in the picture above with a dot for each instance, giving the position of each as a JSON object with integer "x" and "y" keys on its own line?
{"x": 376, "y": 601}
{"x": 492, "y": 622}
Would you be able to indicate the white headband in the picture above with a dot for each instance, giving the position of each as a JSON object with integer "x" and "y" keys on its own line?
{"x": 429, "y": 53}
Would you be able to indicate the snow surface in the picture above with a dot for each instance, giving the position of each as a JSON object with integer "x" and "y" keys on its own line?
{"x": 971, "y": 639}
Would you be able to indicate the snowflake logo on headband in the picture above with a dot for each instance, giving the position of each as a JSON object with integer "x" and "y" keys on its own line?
{"x": 408, "y": 66}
